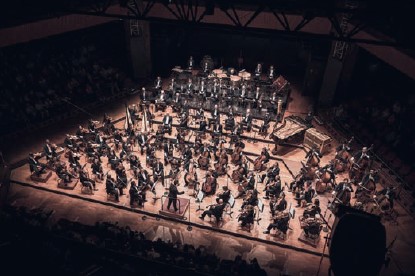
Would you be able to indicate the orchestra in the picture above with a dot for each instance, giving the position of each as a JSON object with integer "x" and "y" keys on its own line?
{"x": 205, "y": 147}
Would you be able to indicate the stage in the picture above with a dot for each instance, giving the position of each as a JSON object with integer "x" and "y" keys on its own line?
{"x": 289, "y": 159}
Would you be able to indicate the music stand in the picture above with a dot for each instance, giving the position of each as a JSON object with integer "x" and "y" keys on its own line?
{"x": 291, "y": 211}
{"x": 199, "y": 199}
{"x": 260, "y": 206}
{"x": 153, "y": 189}
{"x": 231, "y": 203}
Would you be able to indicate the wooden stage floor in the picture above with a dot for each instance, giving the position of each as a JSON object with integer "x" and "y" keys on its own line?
{"x": 291, "y": 156}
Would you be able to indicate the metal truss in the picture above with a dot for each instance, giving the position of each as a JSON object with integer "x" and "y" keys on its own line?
{"x": 194, "y": 12}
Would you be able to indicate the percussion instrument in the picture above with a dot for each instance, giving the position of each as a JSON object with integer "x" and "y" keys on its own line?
{"x": 222, "y": 76}
{"x": 218, "y": 72}
{"x": 235, "y": 80}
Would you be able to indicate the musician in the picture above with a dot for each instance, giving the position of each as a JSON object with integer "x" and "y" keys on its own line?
{"x": 265, "y": 123}
{"x": 73, "y": 159}
{"x": 216, "y": 210}
{"x": 111, "y": 188}
{"x": 244, "y": 93}
{"x": 343, "y": 147}
{"x": 390, "y": 194}
{"x": 142, "y": 140}
{"x": 251, "y": 199}
{"x": 63, "y": 173}
{"x": 172, "y": 86}
{"x": 271, "y": 73}
{"x": 360, "y": 156}
{"x": 265, "y": 153}
{"x": 90, "y": 151}
{"x": 274, "y": 188}
{"x": 370, "y": 177}
{"x": 313, "y": 152}
{"x": 144, "y": 179}
{"x": 313, "y": 209}
{"x": 143, "y": 94}
{"x": 125, "y": 150}
{"x": 215, "y": 114}
{"x": 278, "y": 204}
{"x": 177, "y": 102}
{"x": 280, "y": 222}
{"x": 117, "y": 139}
{"x": 330, "y": 169}
{"x": 190, "y": 63}
{"x": 247, "y": 215}
{"x": 202, "y": 89}
{"x": 217, "y": 129}
{"x": 97, "y": 169}
{"x": 257, "y": 94}
{"x": 250, "y": 185}
{"x": 121, "y": 178}
{"x": 113, "y": 159}
{"x": 167, "y": 122}
{"x": 187, "y": 156}
{"x": 298, "y": 182}
{"x": 70, "y": 143}
{"x": 230, "y": 122}
{"x": 81, "y": 132}
{"x": 136, "y": 195}
{"x": 158, "y": 172}
{"x": 161, "y": 101}
{"x": 224, "y": 196}
{"x": 184, "y": 118}
{"x": 271, "y": 173}
{"x": 258, "y": 71}
{"x": 247, "y": 120}
{"x": 158, "y": 83}
{"x": 106, "y": 121}
{"x": 49, "y": 150}
{"x": 101, "y": 142}
{"x": 135, "y": 163}
{"x": 189, "y": 88}
{"x": 168, "y": 151}
{"x": 203, "y": 125}
{"x": 343, "y": 187}
{"x": 86, "y": 181}
{"x": 173, "y": 193}
{"x": 92, "y": 126}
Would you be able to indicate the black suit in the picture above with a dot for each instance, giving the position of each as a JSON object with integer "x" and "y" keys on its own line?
{"x": 173, "y": 192}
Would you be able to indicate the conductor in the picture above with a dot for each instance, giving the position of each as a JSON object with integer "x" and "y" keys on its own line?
{"x": 173, "y": 192}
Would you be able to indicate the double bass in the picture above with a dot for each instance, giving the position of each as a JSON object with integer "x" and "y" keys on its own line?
{"x": 342, "y": 157}
{"x": 190, "y": 178}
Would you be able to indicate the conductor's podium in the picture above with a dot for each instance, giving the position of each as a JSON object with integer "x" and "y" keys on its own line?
{"x": 43, "y": 178}
{"x": 182, "y": 206}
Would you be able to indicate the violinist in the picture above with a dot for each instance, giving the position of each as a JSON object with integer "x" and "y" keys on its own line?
{"x": 135, "y": 164}
{"x": 92, "y": 126}
{"x": 184, "y": 118}
{"x": 125, "y": 150}
{"x": 230, "y": 122}
{"x": 158, "y": 172}
{"x": 113, "y": 159}
{"x": 35, "y": 166}
{"x": 63, "y": 173}
{"x": 136, "y": 195}
{"x": 250, "y": 199}
{"x": 73, "y": 159}
{"x": 111, "y": 188}
{"x": 224, "y": 195}
{"x": 313, "y": 209}
{"x": 80, "y": 133}
{"x": 142, "y": 140}
{"x": 274, "y": 188}
{"x": 280, "y": 222}
{"x": 50, "y": 151}
{"x": 97, "y": 169}
{"x": 247, "y": 216}
{"x": 272, "y": 172}
{"x": 102, "y": 144}
{"x": 144, "y": 179}
{"x": 260, "y": 162}
{"x": 117, "y": 139}
{"x": 246, "y": 185}
{"x": 216, "y": 210}
{"x": 278, "y": 204}
{"x": 209, "y": 187}
{"x": 70, "y": 143}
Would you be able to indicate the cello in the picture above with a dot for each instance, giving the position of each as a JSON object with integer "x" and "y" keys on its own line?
{"x": 190, "y": 178}
{"x": 236, "y": 155}
{"x": 204, "y": 159}
{"x": 220, "y": 166}
{"x": 209, "y": 186}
